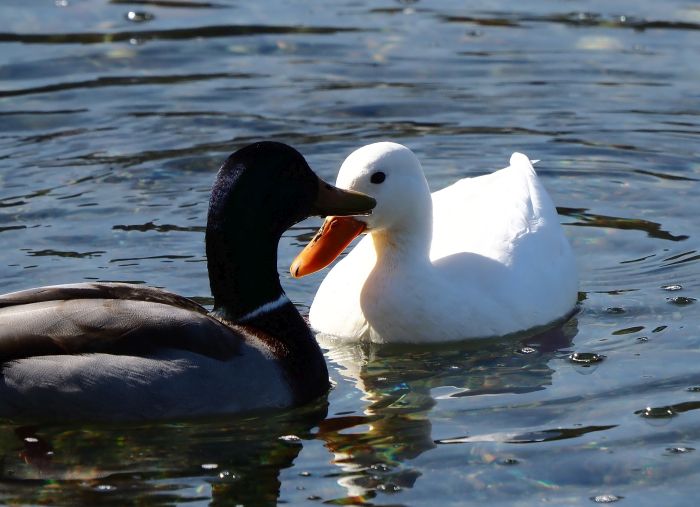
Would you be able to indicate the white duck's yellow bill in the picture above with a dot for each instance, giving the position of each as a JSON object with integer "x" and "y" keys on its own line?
{"x": 333, "y": 237}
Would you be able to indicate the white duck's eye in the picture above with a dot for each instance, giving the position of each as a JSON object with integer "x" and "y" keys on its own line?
{"x": 377, "y": 177}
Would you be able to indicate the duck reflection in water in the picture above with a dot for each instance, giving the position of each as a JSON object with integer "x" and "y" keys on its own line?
{"x": 226, "y": 460}
{"x": 402, "y": 384}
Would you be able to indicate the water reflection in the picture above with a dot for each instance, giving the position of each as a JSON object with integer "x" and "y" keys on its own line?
{"x": 173, "y": 34}
{"x": 178, "y": 4}
{"x": 582, "y": 18}
{"x": 587, "y": 219}
{"x": 115, "y": 81}
{"x": 224, "y": 461}
{"x": 402, "y": 383}
{"x": 137, "y": 117}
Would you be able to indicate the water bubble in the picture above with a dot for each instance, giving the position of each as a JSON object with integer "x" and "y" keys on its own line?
{"x": 105, "y": 488}
{"x": 510, "y": 461}
{"x": 681, "y": 300}
{"x": 381, "y": 467}
{"x": 656, "y": 412}
{"x": 672, "y": 287}
{"x": 586, "y": 358}
{"x": 290, "y": 438}
{"x": 389, "y": 488}
{"x": 526, "y": 350}
{"x": 209, "y": 466}
{"x": 314, "y": 497}
{"x": 606, "y": 498}
{"x": 642, "y": 339}
{"x": 225, "y": 474}
{"x": 139, "y": 16}
{"x": 31, "y": 440}
{"x": 305, "y": 474}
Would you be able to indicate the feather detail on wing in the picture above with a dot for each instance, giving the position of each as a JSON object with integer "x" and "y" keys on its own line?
{"x": 492, "y": 212}
{"x": 99, "y": 291}
{"x": 108, "y": 318}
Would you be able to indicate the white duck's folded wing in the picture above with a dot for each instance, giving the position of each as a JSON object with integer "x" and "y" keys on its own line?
{"x": 508, "y": 217}
{"x": 490, "y": 215}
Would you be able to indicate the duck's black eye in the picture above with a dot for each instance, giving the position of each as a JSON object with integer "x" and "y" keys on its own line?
{"x": 377, "y": 177}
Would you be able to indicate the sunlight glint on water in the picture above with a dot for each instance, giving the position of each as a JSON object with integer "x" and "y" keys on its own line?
{"x": 115, "y": 115}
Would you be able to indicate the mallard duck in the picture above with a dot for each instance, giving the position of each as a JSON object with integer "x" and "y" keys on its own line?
{"x": 484, "y": 257}
{"x": 121, "y": 351}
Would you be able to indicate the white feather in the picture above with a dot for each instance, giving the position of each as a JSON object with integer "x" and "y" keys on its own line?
{"x": 498, "y": 261}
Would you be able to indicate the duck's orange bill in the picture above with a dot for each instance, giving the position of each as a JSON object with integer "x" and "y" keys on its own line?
{"x": 332, "y": 238}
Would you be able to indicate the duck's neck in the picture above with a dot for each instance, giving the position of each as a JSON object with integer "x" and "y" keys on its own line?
{"x": 243, "y": 274}
{"x": 247, "y": 292}
{"x": 241, "y": 245}
{"x": 406, "y": 242}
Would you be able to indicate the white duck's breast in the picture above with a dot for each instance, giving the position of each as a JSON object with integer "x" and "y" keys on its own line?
{"x": 336, "y": 309}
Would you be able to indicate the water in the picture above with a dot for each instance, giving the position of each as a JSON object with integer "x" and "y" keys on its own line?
{"x": 112, "y": 125}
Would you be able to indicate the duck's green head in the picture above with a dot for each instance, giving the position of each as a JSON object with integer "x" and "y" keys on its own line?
{"x": 269, "y": 186}
{"x": 259, "y": 192}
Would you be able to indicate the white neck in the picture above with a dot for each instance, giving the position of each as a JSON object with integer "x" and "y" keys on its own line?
{"x": 408, "y": 240}
{"x": 265, "y": 308}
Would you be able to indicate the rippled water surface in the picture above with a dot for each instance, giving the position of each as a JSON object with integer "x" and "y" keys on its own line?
{"x": 112, "y": 126}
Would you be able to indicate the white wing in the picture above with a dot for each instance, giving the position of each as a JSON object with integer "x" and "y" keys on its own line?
{"x": 489, "y": 215}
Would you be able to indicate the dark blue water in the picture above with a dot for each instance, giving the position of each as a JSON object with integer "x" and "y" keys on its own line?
{"x": 112, "y": 126}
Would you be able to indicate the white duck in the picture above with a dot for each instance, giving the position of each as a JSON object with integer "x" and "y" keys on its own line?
{"x": 484, "y": 257}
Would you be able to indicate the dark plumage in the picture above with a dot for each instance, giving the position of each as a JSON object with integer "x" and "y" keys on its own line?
{"x": 106, "y": 351}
